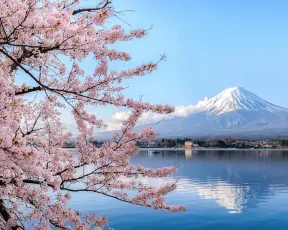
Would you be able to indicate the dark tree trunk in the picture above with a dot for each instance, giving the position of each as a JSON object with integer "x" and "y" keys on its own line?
{"x": 3, "y": 225}
{"x": 4, "y": 216}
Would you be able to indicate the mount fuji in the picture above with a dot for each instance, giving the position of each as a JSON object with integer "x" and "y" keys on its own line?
{"x": 236, "y": 98}
{"x": 235, "y": 112}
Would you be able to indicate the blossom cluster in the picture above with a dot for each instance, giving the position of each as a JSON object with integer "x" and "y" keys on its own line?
{"x": 36, "y": 172}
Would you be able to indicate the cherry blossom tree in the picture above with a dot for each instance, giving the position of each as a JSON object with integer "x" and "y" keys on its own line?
{"x": 37, "y": 175}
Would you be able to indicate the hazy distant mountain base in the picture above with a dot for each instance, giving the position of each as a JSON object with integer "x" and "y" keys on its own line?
{"x": 280, "y": 133}
{"x": 236, "y": 123}
{"x": 235, "y": 112}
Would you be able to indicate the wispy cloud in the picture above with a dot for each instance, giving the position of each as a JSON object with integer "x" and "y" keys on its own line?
{"x": 115, "y": 121}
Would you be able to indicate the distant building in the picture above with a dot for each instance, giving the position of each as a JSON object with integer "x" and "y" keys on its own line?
{"x": 188, "y": 144}
{"x": 152, "y": 144}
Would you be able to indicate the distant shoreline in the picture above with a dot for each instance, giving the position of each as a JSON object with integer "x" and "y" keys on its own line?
{"x": 210, "y": 149}
{"x": 227, "y": 149}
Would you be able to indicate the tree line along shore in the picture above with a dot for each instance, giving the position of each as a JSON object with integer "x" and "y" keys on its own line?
{"x": 202, "y": 143}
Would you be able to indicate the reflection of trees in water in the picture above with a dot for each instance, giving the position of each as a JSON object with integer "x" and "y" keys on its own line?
{"x": 237, "y": 180}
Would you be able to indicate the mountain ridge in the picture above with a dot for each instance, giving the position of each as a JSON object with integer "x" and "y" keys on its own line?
{"x": 233, "y": 111}
{"x": 236, "y": 98}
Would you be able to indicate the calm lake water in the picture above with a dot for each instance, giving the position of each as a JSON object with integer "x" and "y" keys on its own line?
{"x": 222, "y": 189}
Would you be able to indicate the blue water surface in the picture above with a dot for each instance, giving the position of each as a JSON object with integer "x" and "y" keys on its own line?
{"x": 222, "y": 189}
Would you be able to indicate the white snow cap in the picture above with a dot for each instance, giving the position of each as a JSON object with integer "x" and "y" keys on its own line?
{"x": 236, "y": 98}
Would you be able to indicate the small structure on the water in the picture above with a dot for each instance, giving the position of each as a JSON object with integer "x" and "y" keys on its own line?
{"x": 188, "y": 144}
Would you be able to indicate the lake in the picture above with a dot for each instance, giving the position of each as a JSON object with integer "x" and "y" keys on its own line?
{"x": 222, "y": 189}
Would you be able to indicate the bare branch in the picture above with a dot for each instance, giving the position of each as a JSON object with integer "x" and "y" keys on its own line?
{"x": 101, "y": 6}
{"x": 29, "y": 90}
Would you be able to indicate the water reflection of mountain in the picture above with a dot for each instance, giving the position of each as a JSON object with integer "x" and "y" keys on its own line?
{"x": 237, "y": 180}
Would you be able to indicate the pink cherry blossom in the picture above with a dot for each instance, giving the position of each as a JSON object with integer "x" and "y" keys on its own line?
{"x": 35, "y": 170}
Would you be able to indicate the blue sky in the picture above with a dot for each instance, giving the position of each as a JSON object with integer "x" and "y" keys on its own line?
{"x": 210, "y": 45}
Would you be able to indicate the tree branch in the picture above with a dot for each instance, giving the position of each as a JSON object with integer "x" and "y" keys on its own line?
{"x": 99, "y": 7}
{"x": 29, "y": 90}
{"x": 105, "y": 194}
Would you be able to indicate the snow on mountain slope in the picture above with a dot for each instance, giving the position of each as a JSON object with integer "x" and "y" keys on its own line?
{"x": 236, "y": 98}
{"x": 233, "y": 111}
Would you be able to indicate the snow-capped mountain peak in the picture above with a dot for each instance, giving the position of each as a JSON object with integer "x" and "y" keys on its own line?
{"x": 236, "y": 98}
{"x": 233, "y": 112}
